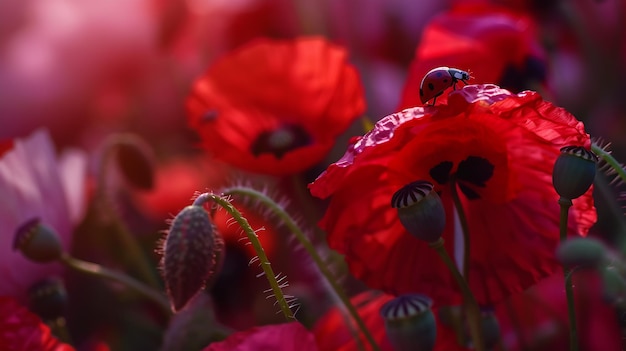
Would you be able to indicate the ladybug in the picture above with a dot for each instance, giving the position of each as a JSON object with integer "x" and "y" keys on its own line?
{"x": 437, "y": 80}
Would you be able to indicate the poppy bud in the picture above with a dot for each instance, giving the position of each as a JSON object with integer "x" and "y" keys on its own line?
{"x": 136, "y": 160}
{"x": 574, "y": 171}
{"x": 190, "y": 254}
{"x": 48, "y": 298}
{"x": 420, "y": 210}
{"x": 410, "y": 323}
{"x": 38, "y": 242}
{"x": 490, "y": 329}
{"x": 581, "y": 252}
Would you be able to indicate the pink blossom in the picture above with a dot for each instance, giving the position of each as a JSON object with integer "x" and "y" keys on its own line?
{"x": 35, "y": 183}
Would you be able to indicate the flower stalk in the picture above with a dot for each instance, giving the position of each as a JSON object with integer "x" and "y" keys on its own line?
{"x": 565, "y": 204}
{"x": 290, "y": 223}
{"x": 256, "y": 244}
{"x": 103, "y": 272}
{"x": 471, "y": 306}
{"x": 464, "y": 227}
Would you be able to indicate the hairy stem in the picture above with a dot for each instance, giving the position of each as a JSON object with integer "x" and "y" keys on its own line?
{"x": 290, "y": 223}
{"x": 256, "y": 244}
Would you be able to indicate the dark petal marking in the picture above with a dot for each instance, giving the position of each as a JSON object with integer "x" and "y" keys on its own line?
{"x": 441, "y": 172}
{"x": 475, "y": 170}
{"x": 468, "y": 192}
{"x": 411, "y": 193}
{"x": 266, "y": 141}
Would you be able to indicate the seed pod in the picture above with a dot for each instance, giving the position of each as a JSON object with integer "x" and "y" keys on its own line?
{"x": 48, "y": 298}
{"x": 574, "y": 171}
{"x": 38, "y": 242}
{"x": 587, "y": 252}
{"x": 420, "y": 210}
{"x": 410, "y": 323}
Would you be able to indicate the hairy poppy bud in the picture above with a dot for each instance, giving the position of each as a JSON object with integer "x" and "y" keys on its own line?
{"x": 581, "y": 252}
{"x": 48, "y": 298}
{"x": 420, "y": 210}
{"x": 38, "y": 242}
{"x": 574, "y": 171}
{"x": 410, "y": 323}
{"x": 190, "y": 254}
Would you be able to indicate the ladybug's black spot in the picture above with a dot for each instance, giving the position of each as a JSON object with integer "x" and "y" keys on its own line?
{"x": 438, "y": 74}
{"x": 421, "y": 92}
{"x": 473, "y": 170}
{"x": 280, "y": 140}
{"x": 445, "y": 80}
{"x": 519, "y": 78}
{"x": 431, "y": 86}
{"x": 441, "y": 172}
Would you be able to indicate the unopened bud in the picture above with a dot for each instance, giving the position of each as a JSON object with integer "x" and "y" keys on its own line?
{"x": 574, "y": 171}
{"x": 410, "y": 323}
{"x": 420, "y": 210}
{"x": 190, "y": 254}
{"x": 38, "y": 242}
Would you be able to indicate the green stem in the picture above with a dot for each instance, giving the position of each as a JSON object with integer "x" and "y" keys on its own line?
{"x": 569, "y": 290}
{"x": 610, "y": 160}
{"x": 256, "y": 244}
{"x": 464, "y": 227}
{"x": 103, "y": 272}
{"x": 474, "y": 318}
{"x": 308, "y": 246}
{"x": 133, "y": 254}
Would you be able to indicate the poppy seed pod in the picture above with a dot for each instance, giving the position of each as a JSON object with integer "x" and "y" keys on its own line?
{"x": 190, "y": 254}
{"x": 574, "y": 171}
{"x": 48, "y": 298}
{"x": 410, "y": 323}
{"x": 420, "y": 210}
{"x": 38, "y": 242}
{"x": 588, "y": 252}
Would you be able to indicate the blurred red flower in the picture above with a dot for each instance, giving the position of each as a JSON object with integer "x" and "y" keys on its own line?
{"x": 276, "y": 107}
{"x": 21, "y": 330}
{"x": 280, "y": 337}
{"x": 494, "y": 44}
{"x": 500, "y": 148}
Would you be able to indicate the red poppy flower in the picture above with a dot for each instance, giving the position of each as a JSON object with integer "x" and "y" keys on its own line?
{"x": 500, "y": 148}
{"x": 495, "y": 45}
{"x": 276, "y": 107}
{"x": 281, "y": 337}
{"x": 21, "y": 330}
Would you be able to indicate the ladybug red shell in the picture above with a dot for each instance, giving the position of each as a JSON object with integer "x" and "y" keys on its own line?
{"x": 437, "y": 80}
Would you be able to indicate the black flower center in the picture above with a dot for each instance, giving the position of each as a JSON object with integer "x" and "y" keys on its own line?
{"x": 473, "y": 171}
{"x": 518, "y": 78}
{"x": 280, "y": 140}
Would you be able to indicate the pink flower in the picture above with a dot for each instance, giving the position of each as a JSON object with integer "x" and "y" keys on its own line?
{"x": 35, "y": 183}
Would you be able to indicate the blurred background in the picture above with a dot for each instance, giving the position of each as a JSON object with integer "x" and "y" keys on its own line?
{"x": 87, "y": 70}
